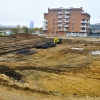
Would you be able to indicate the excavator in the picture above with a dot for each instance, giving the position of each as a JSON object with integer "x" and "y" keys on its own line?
{"x": 57, "y": 41}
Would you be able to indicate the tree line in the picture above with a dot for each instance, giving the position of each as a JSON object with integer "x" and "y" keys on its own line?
{"x": 23, "y": 29}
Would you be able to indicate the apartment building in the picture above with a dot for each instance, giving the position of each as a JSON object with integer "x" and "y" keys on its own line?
{"x": 66, "y": 22}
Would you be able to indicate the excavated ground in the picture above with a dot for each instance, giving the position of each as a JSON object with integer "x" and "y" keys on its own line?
{"x": 19, "y": 41}
{"x": 58, "y": 73}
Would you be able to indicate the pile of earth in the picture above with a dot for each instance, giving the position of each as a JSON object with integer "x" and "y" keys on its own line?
{"x": 7, "y": 39}
{"x": 10, "y": 72}
{"x": 18, "y": 37}
{"x": 25, "y": 36}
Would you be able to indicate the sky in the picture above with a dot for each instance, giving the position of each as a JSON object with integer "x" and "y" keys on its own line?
{"x": 21, "y": 12}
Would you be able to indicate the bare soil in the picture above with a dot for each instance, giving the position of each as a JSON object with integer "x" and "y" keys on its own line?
{"x": 58, "y": 73}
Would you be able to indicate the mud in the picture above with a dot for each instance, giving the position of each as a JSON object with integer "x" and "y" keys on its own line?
{"x": 10, "y": 72}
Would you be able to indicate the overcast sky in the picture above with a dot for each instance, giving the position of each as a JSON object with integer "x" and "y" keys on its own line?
{"x": 14, "y": 12}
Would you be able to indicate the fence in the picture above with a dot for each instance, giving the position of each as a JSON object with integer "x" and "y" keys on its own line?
{"x": 93, "y": 34}
{"x": 77, "y": 34}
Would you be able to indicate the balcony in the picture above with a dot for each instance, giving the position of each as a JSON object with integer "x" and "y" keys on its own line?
{"x": 84, "y": 26}
{"x": 45, "y": 25}
{"x": 45, "y": 21}
{"x": 83, "y": 30}
{"x": 59, "y": 21}
{"x": 65, "y": 16}
{"x": 59, "y": 25}
{"x": 66, "y": 12}
{"x": 66, "y": 21}
{"x": 63, "y": 29}
{"x": 59, "y": 16}
{"x": 59, "y": 12}
{"x": 88, "y": 22}
{"x": 45, "y": 29}
{"x": 84, "y": 21}
{"x": 66, "y": 25}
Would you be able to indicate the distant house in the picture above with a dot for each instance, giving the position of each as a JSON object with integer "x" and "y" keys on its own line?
{"x": 8, "y": 32}
{"x": 3, "y": 33}
{"x": 38, "y": 33}
{"x": 95, "y": 28}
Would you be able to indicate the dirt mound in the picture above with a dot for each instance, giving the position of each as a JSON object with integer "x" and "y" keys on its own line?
{"x": 10, "y": 72}
{"x": 18, "y": 37}
{"x": 25, "y": 36}
{"x": 6, "y": 39}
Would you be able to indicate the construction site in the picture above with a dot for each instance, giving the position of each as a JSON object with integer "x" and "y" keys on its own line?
{"x": 66, "y": 71}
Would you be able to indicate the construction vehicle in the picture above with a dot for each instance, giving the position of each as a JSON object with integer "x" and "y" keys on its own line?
{"x": 57, "y": 40}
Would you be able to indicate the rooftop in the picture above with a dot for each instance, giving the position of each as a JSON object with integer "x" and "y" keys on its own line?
{"x": 70, "y": 8}
{"x": 61, "y": 8}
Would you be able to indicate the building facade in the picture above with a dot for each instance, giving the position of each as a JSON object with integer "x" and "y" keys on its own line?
{"x": 66, "y": 22}
{"x": 31, "y": 24}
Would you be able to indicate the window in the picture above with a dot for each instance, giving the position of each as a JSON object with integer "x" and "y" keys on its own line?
{"x": 56, "y": 32}
{"x": 53, "y": 23}
{"x": 72, "y": 28}
{"x": 73, "y": 20}
{"x": 53, "y": 28}
{"x": 73, "y": 24}
{"x": 70, "y": 10}
{"x": 53, "y": 19}
{"x": 52, "y": 32}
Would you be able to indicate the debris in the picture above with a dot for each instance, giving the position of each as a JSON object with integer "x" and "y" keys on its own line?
{"x": 25, "y": 51}
{"x": 52, "y": 45}
{"x": 95, "y": 53}
{"x": 22, "y": 51}
{"x": 46, "y": 45}
{"x": 77, "y": 48}
{"x": 38, "y": 46}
